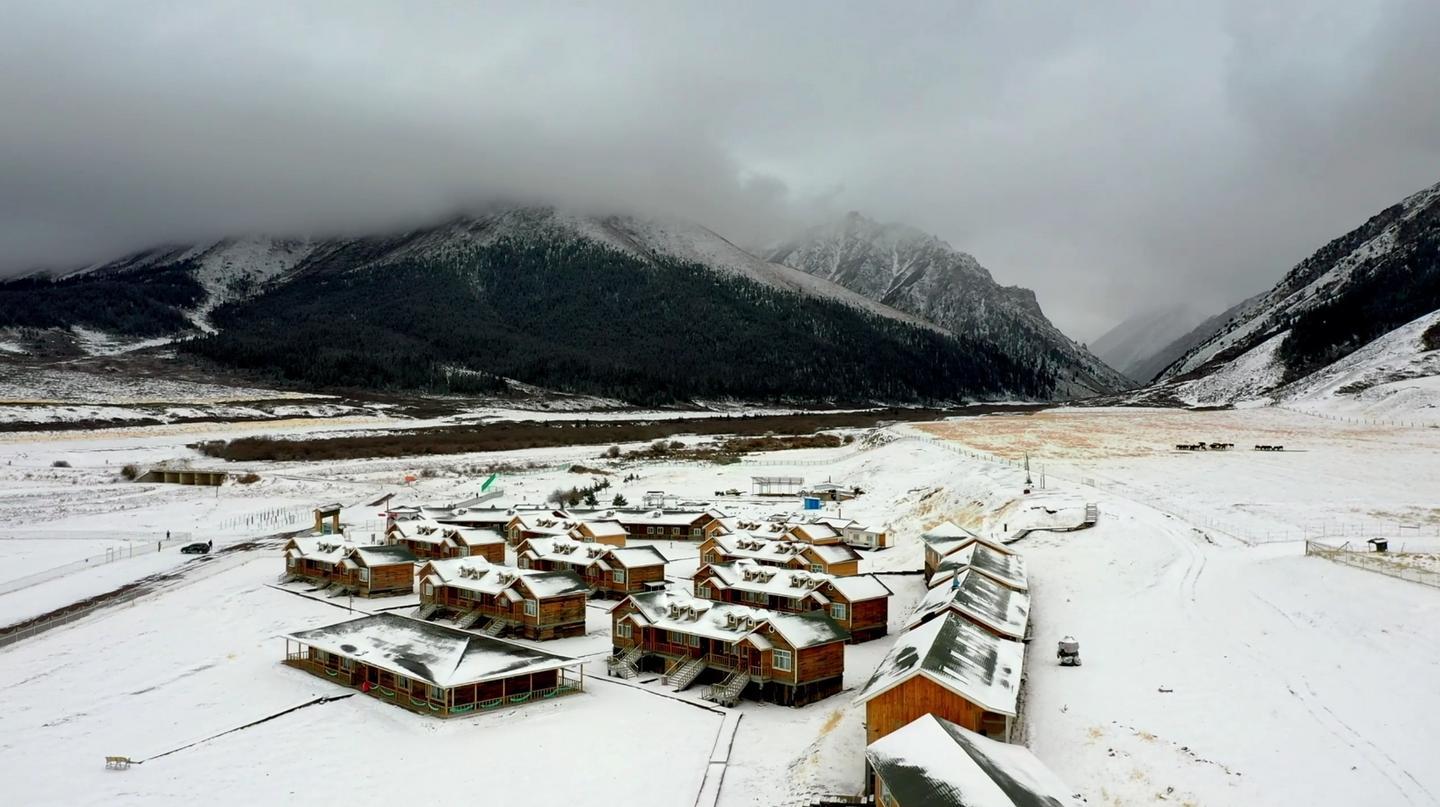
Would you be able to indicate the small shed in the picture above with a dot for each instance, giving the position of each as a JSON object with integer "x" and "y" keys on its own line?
{"x": 327, "y": 519}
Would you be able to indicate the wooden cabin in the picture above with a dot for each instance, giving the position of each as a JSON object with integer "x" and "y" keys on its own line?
{"x": 501, "y": 600}
{"x": 838, "y": 560}
{"x": 431, "y": 669}
{"x": 484, "y": 518}
{"x": 816, "y": 533}
{"x": 601, "y": 531}
{"x": 669, "y": 525}
{"x": 855, "y": 534}
{"x": 948, "y": 667}
{"x": 427, "y": 539}
{"x": 978, "y": 598}
{"x": 861, "y": 605}
{"x": 932, "y": 762}
{"x": 948, "y": 537}
{"x": 789, "y": 659}
{"x": 538, "y": 525}
{"x": 366, "y": 571}
{"x": 609, "y": 571}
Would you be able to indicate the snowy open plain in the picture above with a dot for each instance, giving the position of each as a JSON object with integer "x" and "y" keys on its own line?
{"x": 1216, "y": 672}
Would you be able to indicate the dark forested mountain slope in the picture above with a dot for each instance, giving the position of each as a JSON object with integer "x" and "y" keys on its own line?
{"x": 606, "y": 306}
{"x": 920, "y": 274}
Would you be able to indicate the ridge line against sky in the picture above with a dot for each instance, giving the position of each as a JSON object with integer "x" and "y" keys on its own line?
{"x": 1114, "y": 157}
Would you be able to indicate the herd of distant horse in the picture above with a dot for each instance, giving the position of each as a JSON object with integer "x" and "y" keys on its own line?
{"x": 1203, "y": 446}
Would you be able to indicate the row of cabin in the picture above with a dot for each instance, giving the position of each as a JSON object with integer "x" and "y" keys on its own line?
{"x": 611, "y": 572}
{"x": 859, "y": 604}
{"x": 331, "y": 562}
{"x": 431, "y": 669}
{"x": 427, "y": 539}
{"x": 785, "y": 658}
{"x": 503, "y": 600}
{"x": 963, "y": 652}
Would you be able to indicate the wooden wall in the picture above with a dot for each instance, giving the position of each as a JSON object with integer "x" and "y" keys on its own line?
{"x": 917, "y": 697}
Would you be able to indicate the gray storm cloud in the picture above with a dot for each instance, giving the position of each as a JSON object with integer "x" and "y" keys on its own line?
{"x": 1114, "y": 157}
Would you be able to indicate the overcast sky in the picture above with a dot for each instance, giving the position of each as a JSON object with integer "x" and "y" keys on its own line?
{"x": 1114, "y": 157}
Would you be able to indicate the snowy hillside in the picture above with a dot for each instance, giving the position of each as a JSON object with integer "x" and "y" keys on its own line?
{"x": 914, "y": 271}
{"x": 1394, "y": 377}
{"x": 1383, "y": 251}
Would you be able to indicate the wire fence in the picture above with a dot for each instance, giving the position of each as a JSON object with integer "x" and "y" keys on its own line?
{"x": 1415, "y": 567}
{"x": 146, "y": 546}
{"x": 1411, "y": 424}
{"x": 274, "y": 518}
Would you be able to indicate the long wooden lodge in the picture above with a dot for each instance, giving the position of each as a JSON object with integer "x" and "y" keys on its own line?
{"x": 860, "y": 604}
{"x": 610, "y": 571}
{"x": 834, "y": 559}
{"x": 431, "y": 669}
{"x": 789, "y": 659}
{"x": 503, "y": 599}
{"x": 426, "y": 539}
{"x": 366, "y": 571}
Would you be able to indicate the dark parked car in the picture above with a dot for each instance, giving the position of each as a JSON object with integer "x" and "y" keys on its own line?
{"x": 197, "y": 548}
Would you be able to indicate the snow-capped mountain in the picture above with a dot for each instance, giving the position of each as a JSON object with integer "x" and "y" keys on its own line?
{"x": 648, "y": 310}
{"x": 1132, "y": 345}
{"x": 916, "y": 272}
{"x": 1362, "y": 289}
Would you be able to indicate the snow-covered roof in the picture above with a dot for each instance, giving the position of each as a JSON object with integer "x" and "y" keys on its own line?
{"x": 999, "y": 608}
{"x": 948, "y": 537}
{"x": 560, "y": 549}
{"x": 811, "y": 533}
{"x": 757, "y": 547}
{"x": 747, "y": 575}
{"x": 955, "y": 653}
{"x": 636, "y": 557}
{"x": 834, "y": 553}
{"x": 1005, "y": 568}
{"x": 728, "y": 622}
{"x": 603, "y": 528}
{"x": 431, "y": 653}
{"x": 383, "y": 555}
{"x": 323, "y": 548}
{"x": 475, "y": 536}
{"x": 478, "y": 574}
{"x": 934, "y": 762}
{"x": 860, "y": 587}
{"x": 665, "y": 518}
{"x": 480, "y": 516}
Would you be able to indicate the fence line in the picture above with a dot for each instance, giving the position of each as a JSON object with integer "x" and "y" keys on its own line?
{"x": 1358, "y": 420}
{"x": 274, "y": 517}
{"x": 149, "y": 546}
{"x": 1381, "y": 562}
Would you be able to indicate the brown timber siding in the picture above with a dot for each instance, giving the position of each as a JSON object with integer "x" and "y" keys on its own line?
{"x": 917, "y": 697}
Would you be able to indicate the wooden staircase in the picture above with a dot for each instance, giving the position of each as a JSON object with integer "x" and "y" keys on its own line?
{"x": 727, "y": 692}
{"x": 685, "y": 673}
{"x": 426, "y": 611}
{"x": 626, "y": 665}
{"x": 495, "y": 628}
{"x": 468, "y": 619}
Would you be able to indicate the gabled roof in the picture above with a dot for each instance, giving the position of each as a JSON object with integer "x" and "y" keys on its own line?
{"x": 834, "y": 553}
{"x": 958, "y": 655}
{"x": 1007, "y": 569}
{"x": 323, "y": 548}
{"x": 934, "y": 762}
{"x": 860, "y": 588}
{"x": 747, "y": 575}
{"x": 810, "y": 629}
{"x": 431, "y": 653}
{"x": 665, "y": 518}
{"x": 383, "y": 555}
{"x": 603, "y": 528}
{"x": 810, "y": 533}
{"x": 474, "y": 536}
{"x": 948, "y": 537}
{"x": 477, "y": 574}
{"x": 758, "y": 547}
{"x": 636, "y": 557}
{"x": 560, "y": 549}
{"x": 1001, "y": 609}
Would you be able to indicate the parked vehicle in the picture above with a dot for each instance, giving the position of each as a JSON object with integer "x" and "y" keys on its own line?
{"x": 197, "y": 548}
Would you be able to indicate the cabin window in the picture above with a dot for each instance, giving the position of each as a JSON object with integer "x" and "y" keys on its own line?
{"x": 815, "y": 568}
{"x": 675, "y": 637}
{"x": 703, "y": 590}
{"x": 524, "y": 563}
{"x": 401, "y": 682}
{"x": 753, "y": 596}
{"x": 437, "y": 694}
{"x": 622, "y": 630}
{"x": 692, "y": 640}
{"x": 531, "y": 608}
{"x": 617, "y": 576}
{"x": 837, "y": 611}
{"x": 695, "y": 532}
{"x": 347, "y": 664}
{"x": 427, "y": 589}
{"x": 780, "y": 660}
{"x": 364, "y": 575}
{"x": 710, "y": 557}
{"x": 650, "y": 530}
{"x": 674, "y": 530}
{"x": 462, "y": 551}
{"x": 290, "y": 562}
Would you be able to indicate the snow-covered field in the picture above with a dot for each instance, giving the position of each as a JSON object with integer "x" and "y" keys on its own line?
{"x": 1215, "y": 673}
